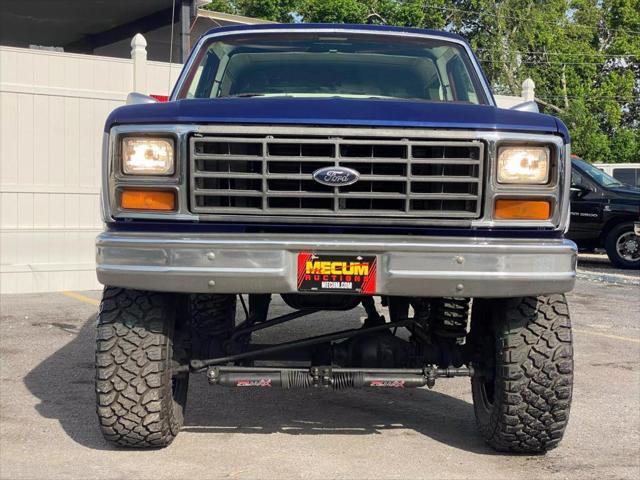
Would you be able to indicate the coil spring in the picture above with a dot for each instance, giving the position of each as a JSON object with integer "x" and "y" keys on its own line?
{"x": 347, "y": 380}
{"x": 296, "y": 379}
{"x": 450, "y": 316}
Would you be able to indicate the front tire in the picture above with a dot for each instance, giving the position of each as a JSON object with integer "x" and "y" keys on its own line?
{"x": 524, "y": 360}
{"x": 140, "y": 403}
{"x": 212, "y": 321}
{"x": 623, "y": 246}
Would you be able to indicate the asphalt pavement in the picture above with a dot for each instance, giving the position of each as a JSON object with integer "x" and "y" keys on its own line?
{"x": 48, "y": 427}
{"x": 597, "y": 267}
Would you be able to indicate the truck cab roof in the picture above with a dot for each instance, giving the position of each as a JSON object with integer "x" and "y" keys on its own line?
{"x": 336, "y": 26}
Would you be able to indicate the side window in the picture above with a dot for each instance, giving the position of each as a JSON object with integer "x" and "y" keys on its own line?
{"x": 206, "y": 73}
{"x": 627, "y": 175}
{"x": 196, "y": 80}
{"x": 577, "y": 180}
{"x": 460, "y": 81}
{"x": 433, "y": 88}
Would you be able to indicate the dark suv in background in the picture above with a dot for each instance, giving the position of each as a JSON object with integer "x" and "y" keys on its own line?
{"x": 603, "y": 213}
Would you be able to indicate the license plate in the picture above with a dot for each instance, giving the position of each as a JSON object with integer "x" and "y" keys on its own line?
{"x": 319, "y": 272}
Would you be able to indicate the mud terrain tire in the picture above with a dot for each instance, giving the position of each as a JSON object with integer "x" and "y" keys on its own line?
{"x": 139, "y": 403}
{"x": 525, "y": 344}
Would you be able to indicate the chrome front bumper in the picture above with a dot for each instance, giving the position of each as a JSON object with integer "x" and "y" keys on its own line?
{"x": 267, "y": 263}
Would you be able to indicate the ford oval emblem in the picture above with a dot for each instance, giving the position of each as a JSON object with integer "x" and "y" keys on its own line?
{"x": 336, "y": 176}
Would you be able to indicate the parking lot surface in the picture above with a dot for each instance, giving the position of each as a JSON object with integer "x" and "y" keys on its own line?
{"x": 596, "y": 266}
{"x": 48, "y": 428}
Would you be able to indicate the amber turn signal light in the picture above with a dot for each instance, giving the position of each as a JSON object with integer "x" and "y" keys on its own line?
{"x": 162, "y": 200}
{"x": 522, "y": 209}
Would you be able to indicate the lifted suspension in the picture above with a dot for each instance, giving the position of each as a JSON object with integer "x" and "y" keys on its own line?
{"x": 196, "y": 364}
{"x": 369, "y": 356}
{"x": 336, "y": 378}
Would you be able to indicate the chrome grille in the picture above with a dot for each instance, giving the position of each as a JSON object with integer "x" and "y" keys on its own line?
{"x": 399, "y": 178}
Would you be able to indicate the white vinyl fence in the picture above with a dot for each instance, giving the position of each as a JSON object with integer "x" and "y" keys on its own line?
{"x": 53, "y": 107}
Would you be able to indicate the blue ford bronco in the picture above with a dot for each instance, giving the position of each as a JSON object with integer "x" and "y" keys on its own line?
{"x": 340, "y": 167}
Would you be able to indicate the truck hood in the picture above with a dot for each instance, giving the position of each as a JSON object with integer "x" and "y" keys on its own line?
{"x": 627, "y": 192}
{"x": 336, "y": 112}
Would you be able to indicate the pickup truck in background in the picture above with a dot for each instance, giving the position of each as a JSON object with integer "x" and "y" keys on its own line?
{"x": 603, "y": 213}
{"x": 338, "y": 167}
{"x": 627, "y": 173}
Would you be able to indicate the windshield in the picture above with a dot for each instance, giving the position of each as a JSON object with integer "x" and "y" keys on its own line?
{"x": 334, "y": 65}
{"x": 598, "y": 175}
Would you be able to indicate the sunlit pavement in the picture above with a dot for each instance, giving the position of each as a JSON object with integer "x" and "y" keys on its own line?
{"x": 48, "y": 427}
{"x": 597, "y": 267}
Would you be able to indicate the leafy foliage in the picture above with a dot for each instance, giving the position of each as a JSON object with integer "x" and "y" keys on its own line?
{"x": 584, "y": 55}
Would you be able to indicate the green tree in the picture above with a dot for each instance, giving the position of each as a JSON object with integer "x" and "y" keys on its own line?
{"x": 224, "y": 6}
{"x": 274, "y": 10}
{"x": 334, "y": 11}
{"x": 583, "y": 56}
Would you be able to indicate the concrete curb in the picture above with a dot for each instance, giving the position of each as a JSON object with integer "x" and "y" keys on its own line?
{"x": 607, "y": 278}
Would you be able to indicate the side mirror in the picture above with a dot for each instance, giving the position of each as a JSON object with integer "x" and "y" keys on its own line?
{"x": 526, "y": 107}
{"x": 135, "y": 98}
{"x": 578, "y": 191}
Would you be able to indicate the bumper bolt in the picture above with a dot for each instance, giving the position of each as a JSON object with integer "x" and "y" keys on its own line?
{"x": 460, "y": 259}
{"x": 211, "y": 256}
{"x": 459, "y": 287}
{"x": 212, "y": 283}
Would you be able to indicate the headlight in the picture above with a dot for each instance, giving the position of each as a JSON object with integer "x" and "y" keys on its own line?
{"x": 528, "y": 165}
{"x": 147, "y": 156}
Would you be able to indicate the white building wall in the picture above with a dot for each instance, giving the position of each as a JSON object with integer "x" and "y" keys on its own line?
{"x": 52, "y": 111}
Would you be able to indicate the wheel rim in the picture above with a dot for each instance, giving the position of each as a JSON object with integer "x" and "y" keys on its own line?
{"x": 628, "y": 247}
